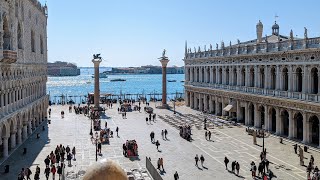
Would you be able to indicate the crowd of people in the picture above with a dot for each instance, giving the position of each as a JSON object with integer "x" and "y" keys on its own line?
{"x": 54, "y": 163}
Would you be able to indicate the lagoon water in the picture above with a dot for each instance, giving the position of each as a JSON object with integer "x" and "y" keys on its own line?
{"x": 76, "y": 87}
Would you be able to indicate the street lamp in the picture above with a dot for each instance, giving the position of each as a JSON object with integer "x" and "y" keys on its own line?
{"x": 264, "y": 167}
{"x": 96, "y": 140}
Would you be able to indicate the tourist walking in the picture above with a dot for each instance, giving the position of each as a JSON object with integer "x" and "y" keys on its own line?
{"x": 206, "y": 135}
{"x": 237, "y": 167}
{"x": 28, "y": 173}
{"x": 47, "y": 172}
{"x": 157, "y": 144}
{"x": 209, "y": 135}
{"x": 260, "y": 169}
{"x": 152, "y": 136}
{"x": 73, "y": 153}
{"x": 38, "y": 169}
{"x": 161, "y": 163}
{"x": 196, "y": 159}
{"x": 53, "y": 171}
{"x": 176, "y": 176}
{"x": 267, "y": 164}
{"x": 69, "y": 158}
{"x": 162, "y": 134}
{"x": 47, "y": 161}
{"x": 36, "y": 176}
{"x": 253, "y": 169}
{"x": 117, "y": 130}
{"x": 158, "y": 163}
{"x": 165, "y": 133}
{"x": 124, "y": 147}
{"x": 59, "y": 171}
{"x": 147, "y": 120}
{"x": 99, "y": 147}
{"x": 202, "y": 160}
{"x": 226, "y": 161}
{"x": 295, "y": 147}
{"x": 233, "y": 166}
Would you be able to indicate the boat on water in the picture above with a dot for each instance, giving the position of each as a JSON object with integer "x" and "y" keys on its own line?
{"x": 112, "y": 80}
{"x": 181, "y": 81}
{"x": 101, "y": 75}
{"x": 172, "y": 80}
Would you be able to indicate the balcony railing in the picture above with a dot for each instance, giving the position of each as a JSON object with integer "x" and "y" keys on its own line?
{"x": 260, "y": 91}
{"x": 9, "y": 56}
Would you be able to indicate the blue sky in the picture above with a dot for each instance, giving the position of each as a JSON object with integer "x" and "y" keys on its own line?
{"x": 135, "y": 32}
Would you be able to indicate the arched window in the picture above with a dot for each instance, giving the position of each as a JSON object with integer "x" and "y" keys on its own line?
{"x": 299, "y": 80}
{"x": 19, "y": 36}
{"x": 227, "y": 76}
{"x": 252, "y": 77}
{"x": 41, "y": 44}
{"x": 285, "y": 79}
{"x": 234, "y": 83}
{"x": 262, "y": 78}
{"x": 314, "y": 81}
{"x": 243, "y": 77}
{"x": 273, "y": 78}
{"x": 6, "y": 35}
{"x": 33, "y": 49}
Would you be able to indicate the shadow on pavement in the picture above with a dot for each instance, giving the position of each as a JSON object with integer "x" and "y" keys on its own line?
{"x": 18, "y": 160}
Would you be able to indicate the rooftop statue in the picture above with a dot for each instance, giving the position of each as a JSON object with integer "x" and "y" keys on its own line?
{"x": 195, "y": 49}
{"x": 266, "y": 39}
{"x": 238, "y": 41}
{"x": 210, "y": 47}
{"x": 217, "y": 46}
{"x": 291, "y": 35}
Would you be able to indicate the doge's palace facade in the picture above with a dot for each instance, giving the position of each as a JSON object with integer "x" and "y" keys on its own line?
{"x": 271, "y": 82}
{"x": 23, "y": 71}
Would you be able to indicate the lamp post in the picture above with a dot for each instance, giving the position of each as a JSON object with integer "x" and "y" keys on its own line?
{"x": 264, "y": 167}
{"x": 96, "y": 140}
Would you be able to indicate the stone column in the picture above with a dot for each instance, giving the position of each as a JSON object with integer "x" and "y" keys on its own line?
{"x": 19, "y": 136}
{"x": 278, "y": 78}
{"x": 200, "y": 102}
{"x": 278, "y": 121}
{"x": 257, "y": 76}
{"x": 2, "y": 105}
{"x": 267, "y": 79}
{"x": 164, "y": 61}
{"x": 247, "y": 119}
{"x": 238, "y": 111}
{"x": 25, "y": 132}
{"x": 290, "y": 134}
{"x": 305, "y": 80}
{"x": 96, "y": 61}
{"x": 195, "y": 103}
{"x": 239, "y": 76}
{"x": 247, "y": 80}
{"x": 205, "y": 103}
{"x": 211, "y": 74}
{"x": 217, "y": 107}
{"x": 5, "y": 147}
{"x": 191, "y": 100}
{"x": 13, "y": 140}
{"x": 267, "y": 125}
{"x": 29, "y": 128}
{"x": 191, "y": 74}
{"x": 217, "y": 75}
{"x": 210, "y": 104}
{"x": 290, "y": 79}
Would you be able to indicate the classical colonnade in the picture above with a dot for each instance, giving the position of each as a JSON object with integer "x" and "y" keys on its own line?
{"x": 291, "y": 123}
{"x": 282, "y": 77}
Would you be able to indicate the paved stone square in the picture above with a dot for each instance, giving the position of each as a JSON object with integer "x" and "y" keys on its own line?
{"x": 178, "y": 154}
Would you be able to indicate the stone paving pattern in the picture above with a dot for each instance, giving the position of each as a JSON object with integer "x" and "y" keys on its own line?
{"x": 178, "y": 154}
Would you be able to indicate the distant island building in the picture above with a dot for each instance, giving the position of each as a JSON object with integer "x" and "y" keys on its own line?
{"x": 60, "y": 68}
{"x": 149, "y": 69}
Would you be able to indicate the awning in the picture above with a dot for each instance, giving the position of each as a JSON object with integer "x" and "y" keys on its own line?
{"x": 228, "y": 108}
